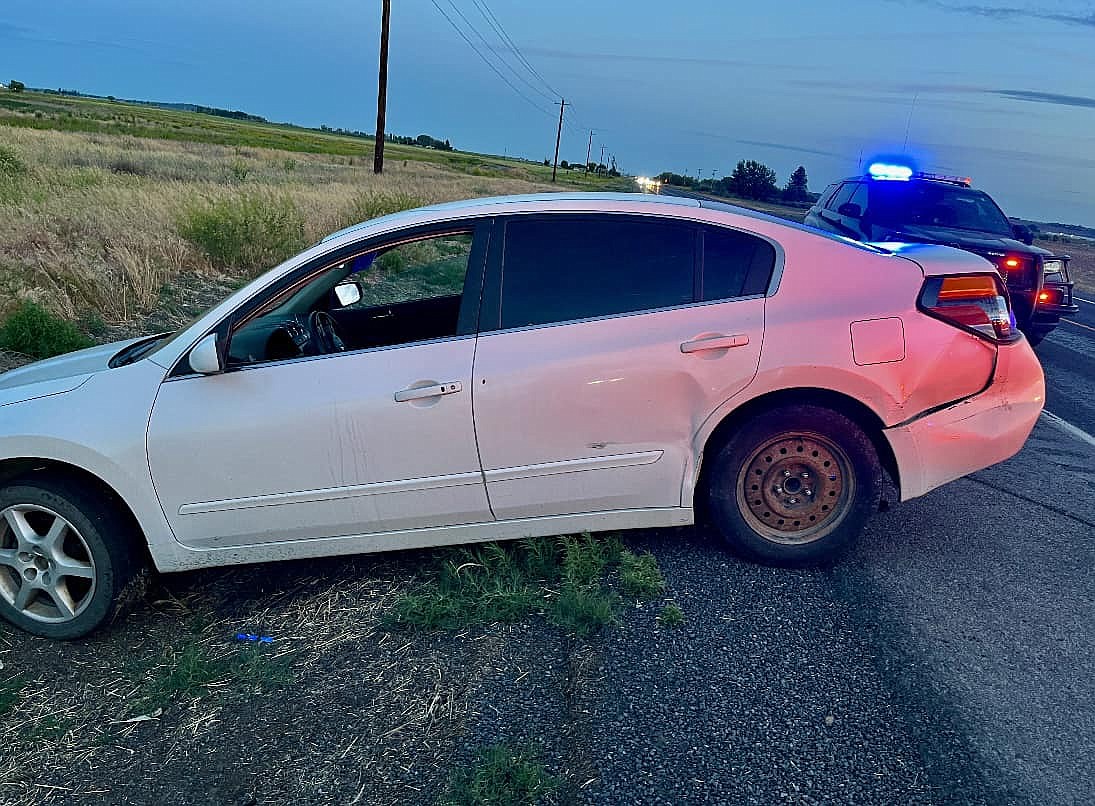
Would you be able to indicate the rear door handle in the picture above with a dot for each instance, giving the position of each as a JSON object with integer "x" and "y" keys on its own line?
{"x": 419, "y": 392}
{"x": 714, "y": 343}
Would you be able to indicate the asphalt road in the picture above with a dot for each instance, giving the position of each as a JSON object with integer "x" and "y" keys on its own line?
{"x": 1068, "y": 358}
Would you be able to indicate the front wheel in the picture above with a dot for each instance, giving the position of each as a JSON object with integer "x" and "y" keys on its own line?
{"x": 66, "y": 556}
{"x": 794, "y": 486}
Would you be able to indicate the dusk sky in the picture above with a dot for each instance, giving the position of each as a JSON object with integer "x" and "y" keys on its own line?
{"x": 1003, "y": 93}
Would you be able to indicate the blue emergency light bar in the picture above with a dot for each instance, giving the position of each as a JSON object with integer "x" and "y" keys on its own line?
{"x": 884, "y": 170}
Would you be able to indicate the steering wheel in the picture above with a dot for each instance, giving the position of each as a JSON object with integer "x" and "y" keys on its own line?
{"x": 325, "y": 335}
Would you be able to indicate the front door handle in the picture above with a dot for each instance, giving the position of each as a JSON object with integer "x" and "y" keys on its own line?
{"x": 435, "y": 390}
{"x": 719, "y": 342}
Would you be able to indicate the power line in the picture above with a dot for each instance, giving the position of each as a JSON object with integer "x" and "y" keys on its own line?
{"x": 487, "y": 61}
{"x": 494, "y": 22}
{"x": 491, "y": 48}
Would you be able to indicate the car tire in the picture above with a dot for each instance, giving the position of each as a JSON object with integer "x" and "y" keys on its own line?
{"x": 67, "y": 557}
{"x": 794, "y": 486}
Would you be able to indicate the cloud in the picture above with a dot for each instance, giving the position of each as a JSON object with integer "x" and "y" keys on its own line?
{"x": 1085, "y": 18}
{"x": 1047, "y": 98}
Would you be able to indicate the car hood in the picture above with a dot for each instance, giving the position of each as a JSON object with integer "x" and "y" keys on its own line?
{"x": 965, "y": 239}
{"x": 56, "y": 375}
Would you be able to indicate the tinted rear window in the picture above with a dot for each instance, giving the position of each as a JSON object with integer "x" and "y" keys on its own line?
{"x": 559, "y": 268}
{"x": 735, "y": 264}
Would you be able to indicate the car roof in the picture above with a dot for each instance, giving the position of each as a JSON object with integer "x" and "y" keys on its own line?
{"x": 474, "y": 205}
{"x": 610, "y": 201}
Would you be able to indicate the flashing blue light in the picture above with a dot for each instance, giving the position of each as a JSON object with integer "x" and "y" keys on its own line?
{"x": 883, "y": 170}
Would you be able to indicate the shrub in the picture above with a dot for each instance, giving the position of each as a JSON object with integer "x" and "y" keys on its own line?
{"x": 10, "y": 163}
{"x": 375, "y": 204}
{"x": 34, "y": 331}
{"x": 247, "y": 232}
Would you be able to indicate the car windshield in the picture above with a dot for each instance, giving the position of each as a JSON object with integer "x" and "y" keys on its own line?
{"x": 929, "y": 204}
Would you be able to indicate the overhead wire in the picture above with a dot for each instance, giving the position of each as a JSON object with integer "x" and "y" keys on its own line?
{"x": 520, "y": 77}
{"x": 487, "y": 61}
{"x": 496, "y": 24}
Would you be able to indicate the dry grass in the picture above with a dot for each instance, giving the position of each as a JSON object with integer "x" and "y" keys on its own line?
{"x": 90, "y": 227}
{"x": 1082, "y": 266}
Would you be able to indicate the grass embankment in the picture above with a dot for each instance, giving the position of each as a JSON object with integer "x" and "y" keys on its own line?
{"x": 114, "y": 213}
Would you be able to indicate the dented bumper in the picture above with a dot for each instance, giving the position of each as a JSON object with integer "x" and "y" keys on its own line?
{"x": 975, "y": 433}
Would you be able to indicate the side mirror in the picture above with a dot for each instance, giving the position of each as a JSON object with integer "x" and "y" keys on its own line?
{"x": 205, "y": 358}
{"x": 348, "y": 292}
{"x": 849, "y": 209}
{"x": 1022, "y": 232}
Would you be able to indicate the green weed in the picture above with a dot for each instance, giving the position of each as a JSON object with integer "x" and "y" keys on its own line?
{"x": 671, "y": 616}
{"x": 500, "y": 776}
{"x": 585, "y": 610}
{"x": 9, "y": 693}
{"x": 640, "y": 576}
{"x": 192, "y": 671}
{"x": 32, "y": 330}
{"x": 248, "y": 232}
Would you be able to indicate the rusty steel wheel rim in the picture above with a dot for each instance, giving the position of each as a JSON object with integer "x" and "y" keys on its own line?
{"x": 795, "y": 488}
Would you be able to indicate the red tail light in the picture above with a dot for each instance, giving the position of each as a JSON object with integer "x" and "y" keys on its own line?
{"x": 974, "y": 302}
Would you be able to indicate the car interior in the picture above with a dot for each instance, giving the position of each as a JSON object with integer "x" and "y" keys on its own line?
{"x": 400, "y": 294}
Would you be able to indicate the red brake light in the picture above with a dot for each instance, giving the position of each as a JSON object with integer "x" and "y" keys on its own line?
{"x": 974, "y": 302}
{"x": 1043, "y": 296}
{"x": 1012, "y": 262}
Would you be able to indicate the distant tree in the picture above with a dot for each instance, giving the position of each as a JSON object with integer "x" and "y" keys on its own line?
{"x": 547, "y": 161}
{"x": 564, "y": 165}
{"x": 111, "y": 98}
{"x": 796, "y": 189}
{"x": 16, "y": 86}
{"x": 591, "y": 167}
{"x": 613, "y": 170}
{"x": 753, "y": 180}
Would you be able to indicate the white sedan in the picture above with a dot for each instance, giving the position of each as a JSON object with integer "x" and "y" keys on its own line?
{"x": 509, "y": 367}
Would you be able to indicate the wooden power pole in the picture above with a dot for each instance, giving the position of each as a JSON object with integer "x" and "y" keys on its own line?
{"x": 558, "y": 137}
{"x": 382, "y": 91}
{"x": 589, "y": 149}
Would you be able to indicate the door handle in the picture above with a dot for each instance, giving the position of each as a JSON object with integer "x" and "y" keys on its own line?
{"x": 719, "y": 342}
{"x": 436, "y": 390}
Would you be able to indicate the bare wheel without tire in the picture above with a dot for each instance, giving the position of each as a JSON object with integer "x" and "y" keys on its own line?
{"x": 65, "y": 558}
{"x": 794, "y": 486}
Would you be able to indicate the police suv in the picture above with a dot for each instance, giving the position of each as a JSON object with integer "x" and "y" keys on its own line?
{"x": 895, "y": 203}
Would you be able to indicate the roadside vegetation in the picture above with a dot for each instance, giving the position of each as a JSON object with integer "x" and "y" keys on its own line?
{"x": 500, "y": 776}
{"x": 103, "y": 204}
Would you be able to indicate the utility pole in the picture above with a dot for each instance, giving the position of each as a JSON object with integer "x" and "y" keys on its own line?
{"x": 589, "y": 148}
{"x": 558, "y": 136}
{"x": 382, "y": 91}
{"x": 602, "y": 162}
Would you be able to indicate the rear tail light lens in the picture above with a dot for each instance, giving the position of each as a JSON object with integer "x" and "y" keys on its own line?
{"x": 974, "y": 302}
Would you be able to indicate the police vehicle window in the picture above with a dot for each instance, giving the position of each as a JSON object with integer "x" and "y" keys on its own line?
{"x": 841, "y": 196}
{"x": 860, "y": 197}
{"x": 932, "y": 204}
{"x": 560, "y": 268}
{"x": 734, "y": 264}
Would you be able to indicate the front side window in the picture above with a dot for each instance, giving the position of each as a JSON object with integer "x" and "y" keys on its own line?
{"x": 734, "y": 264}
{"x": 395, "y": 294}
{"x": 560, "y": 268}
{"x": 841, "y": 196}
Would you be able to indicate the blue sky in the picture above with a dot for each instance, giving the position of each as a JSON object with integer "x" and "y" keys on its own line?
{"x": 1003, "y": 93}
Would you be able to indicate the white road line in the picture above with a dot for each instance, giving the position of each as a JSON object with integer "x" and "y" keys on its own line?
{"x": 1069, "y": 428}
{"x": 1081, "y": 299}
{"x": 1079, "y": 324}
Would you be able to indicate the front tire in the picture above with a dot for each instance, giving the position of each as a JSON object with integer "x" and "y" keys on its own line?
{"x": 66, "y": 557}
{"x": 794, "y": 486}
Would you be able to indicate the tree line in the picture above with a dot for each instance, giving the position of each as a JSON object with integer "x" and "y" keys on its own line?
{"x": 749, "y": 180}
